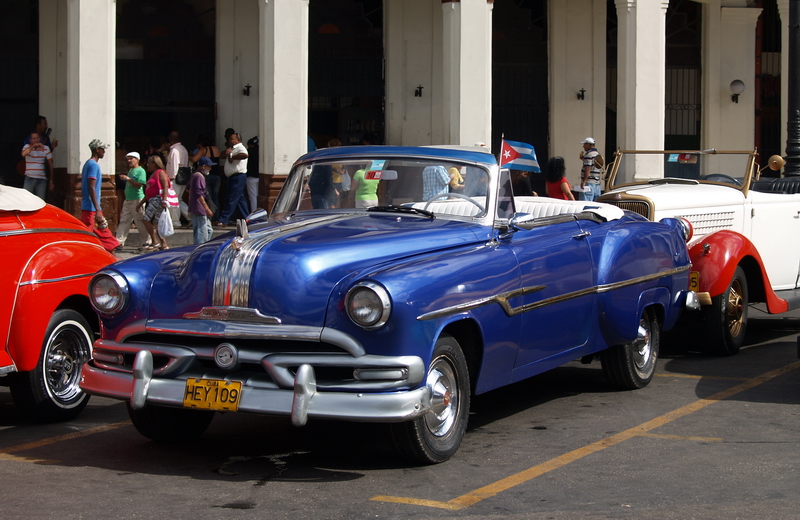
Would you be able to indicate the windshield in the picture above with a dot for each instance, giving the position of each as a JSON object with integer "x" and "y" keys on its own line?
{"x": 729, "y": 168}
{"x": 441, "y": 187}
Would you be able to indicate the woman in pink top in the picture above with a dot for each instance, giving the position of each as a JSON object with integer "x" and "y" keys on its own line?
{"x": 156, "y": 192}
{"x": 557, "y": 185}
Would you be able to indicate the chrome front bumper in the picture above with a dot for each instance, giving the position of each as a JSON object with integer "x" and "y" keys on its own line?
{"x": 301, "y": 402}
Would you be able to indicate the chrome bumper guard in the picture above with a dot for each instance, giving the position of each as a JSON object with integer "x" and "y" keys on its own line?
{"x": 692, "y": 302}
{"x": 301, "y": 402}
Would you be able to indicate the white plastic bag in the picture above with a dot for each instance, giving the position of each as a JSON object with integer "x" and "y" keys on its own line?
{"x": 165, "y": 228}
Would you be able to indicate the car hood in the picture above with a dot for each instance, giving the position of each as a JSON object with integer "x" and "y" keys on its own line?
{"x": 286, "y": 268}
{"x": 676, "y": 197}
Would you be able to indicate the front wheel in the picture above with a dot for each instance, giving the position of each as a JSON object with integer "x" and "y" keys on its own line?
{"x": 51, "y": 391}
{"x": 726, "y": 317}
{"x": 436, "y": 436}
{"x": 169, "y": 425}
{"x": 632, "y": 365}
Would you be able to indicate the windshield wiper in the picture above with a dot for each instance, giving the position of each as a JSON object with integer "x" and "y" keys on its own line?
{"x": 403, "y": 209}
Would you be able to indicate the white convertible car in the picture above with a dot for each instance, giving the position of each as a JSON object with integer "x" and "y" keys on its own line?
{"x": 745, "y": 247}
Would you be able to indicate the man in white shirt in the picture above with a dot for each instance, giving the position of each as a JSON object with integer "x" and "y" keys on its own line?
{"x": 235, "y": 169}
{"x": 178, "y": 158}
{"x": 37, "y": 159}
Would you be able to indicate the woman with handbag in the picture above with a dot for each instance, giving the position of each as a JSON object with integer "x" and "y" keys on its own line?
{"x": 160, "y": 195}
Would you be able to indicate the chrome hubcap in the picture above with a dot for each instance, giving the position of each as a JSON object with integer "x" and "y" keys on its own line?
{"x": 642, "y": 346}
{"x": 444, "y": 398}
{"x": 735, "y": 308}
{"x": 67, "y": 351}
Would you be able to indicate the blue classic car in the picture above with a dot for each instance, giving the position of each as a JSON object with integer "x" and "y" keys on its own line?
{"x": 389, "y": 285}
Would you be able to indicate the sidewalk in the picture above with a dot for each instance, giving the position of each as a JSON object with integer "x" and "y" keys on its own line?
{"x": 182, "y": 237}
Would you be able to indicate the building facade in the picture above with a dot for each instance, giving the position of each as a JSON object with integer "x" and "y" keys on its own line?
{"x": 634, "y": 74}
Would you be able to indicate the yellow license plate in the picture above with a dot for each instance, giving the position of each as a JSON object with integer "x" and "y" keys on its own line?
{"x": 694, "y": 281}
{"x": 212, "y": 394}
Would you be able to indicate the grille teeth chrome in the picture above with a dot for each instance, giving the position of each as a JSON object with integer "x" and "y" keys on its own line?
{"x": 705, "y": 223}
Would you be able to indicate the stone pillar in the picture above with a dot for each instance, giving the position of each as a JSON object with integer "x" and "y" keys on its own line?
{"x": 783, "y": 11}
{"x": 577, "y": 58}
{"x": 91, "y": 95}
{"x": 283, "y": 89}
{"x": 53, "y": 88}
{"x": 728, "y": 35}
{"x": 414, "y": 89}
{"x": 641, "y": 61}
{"x": 467, "y": 71}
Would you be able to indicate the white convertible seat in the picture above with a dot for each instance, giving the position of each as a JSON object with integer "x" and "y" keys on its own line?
{"x": 458, "y": 207}
{"x": 536, "y": 206}
{"x": 547, "y": 207}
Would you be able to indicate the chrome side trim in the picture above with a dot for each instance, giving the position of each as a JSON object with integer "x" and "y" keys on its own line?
{"x": 62, "y": 279}
{"x": 502, "y": 299}
{"x": 38, "y": 231}
{"x": 235, "y": 267}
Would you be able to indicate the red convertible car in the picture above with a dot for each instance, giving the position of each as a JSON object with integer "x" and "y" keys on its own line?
{"x": 47, "y": 323}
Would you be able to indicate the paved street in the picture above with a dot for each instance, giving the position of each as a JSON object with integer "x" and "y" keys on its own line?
{"x": 709, "y": 438}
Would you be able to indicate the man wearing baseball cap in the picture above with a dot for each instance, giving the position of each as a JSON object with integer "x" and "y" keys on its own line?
{"x": 591, "y": 173}
{"x": 134, "y": 193}
{"x": 91, "y": 211}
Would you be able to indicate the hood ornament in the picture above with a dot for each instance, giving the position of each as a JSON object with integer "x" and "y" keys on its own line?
{"x": 241, "y": 235}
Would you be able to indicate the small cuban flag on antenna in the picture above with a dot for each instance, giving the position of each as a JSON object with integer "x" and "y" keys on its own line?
{"x": 518, "y": 156}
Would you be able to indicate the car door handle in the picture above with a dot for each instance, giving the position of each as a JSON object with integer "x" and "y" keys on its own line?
{"x": 581, "y": 235}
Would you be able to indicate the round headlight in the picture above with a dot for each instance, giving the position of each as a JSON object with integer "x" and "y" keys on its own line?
{"x": 688, "y": 229}
{"x": 368, "y": 305}
{"x": 108, "y": 292}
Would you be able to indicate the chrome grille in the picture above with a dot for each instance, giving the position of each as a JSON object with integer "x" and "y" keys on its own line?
{"x": 640, "y": 207}
{"x": 705, "y": 223}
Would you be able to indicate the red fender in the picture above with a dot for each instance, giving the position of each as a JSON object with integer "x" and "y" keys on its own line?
{"x": 56, "y": 272}
{"x": 717, "y": 265}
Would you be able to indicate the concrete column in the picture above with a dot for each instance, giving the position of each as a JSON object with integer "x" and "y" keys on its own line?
{"x": 738, "y": 47}
{"x": 91, "y": 92}
{"x": 783, "y": 11}
{"x": 413, "y": 49}
{"x": 237, "y": 38}
{"x": 53, "y": 73}
{"x": 283, "y": 87}
{"x": 577, "y": 58}
{"x": 467, "y": 71}
{"x": 641, "y": 73}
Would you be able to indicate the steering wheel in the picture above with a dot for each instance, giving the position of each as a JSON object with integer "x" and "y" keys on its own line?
{"x": 721, "y": 177}
{"x": 455, "y": 195}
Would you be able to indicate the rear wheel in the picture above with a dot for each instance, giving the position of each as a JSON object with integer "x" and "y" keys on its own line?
{"x": 632, "y": 365}
{"x": 436, "y": 436}
{"x": 51, "y": 391}
{"x": 164, "y": 424}
{"x": 726, "y": 317}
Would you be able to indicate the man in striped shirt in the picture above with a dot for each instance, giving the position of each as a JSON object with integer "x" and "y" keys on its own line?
{"x": 37, "y": 160}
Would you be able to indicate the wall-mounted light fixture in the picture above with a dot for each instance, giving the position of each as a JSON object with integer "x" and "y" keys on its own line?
{"x": 418, "y": 92}
{"x": 246, "y": 90}
{"x": 581, "y": 94}
{"x": 737, "y": 87}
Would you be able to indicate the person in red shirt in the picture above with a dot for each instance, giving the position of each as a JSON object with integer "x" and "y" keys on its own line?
{"x": 557, "y": 185}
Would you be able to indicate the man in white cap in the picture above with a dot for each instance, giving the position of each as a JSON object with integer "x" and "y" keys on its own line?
{"x": 134, "y": 193}
{"x": 591, "y": 172}
{"x": 91, "y": 211}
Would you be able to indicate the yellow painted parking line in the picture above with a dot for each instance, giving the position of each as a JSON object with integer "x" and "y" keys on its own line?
{"x": 16, "y": 458}
{"x": 681, "y": 437}
{"x": 61, "y": 438}
{"x": 715, "y": 378}
{"x": 473, "y": 497}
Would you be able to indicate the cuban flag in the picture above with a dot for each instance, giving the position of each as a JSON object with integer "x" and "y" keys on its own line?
{"x": 518, "y": 156}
